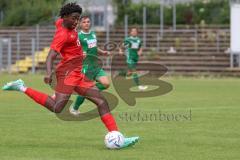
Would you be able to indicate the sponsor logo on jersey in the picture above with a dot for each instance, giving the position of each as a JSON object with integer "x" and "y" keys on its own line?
{"x": 135, "y": 45}
{"x": 92, "y": 43}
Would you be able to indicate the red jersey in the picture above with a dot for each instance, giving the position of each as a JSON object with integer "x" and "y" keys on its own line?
{"x": 66, "y": 43}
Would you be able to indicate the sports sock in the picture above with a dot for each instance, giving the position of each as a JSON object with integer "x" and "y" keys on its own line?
{"x": 37, "y": 96}
{"x": 80, "y": 99}
{"x": 78, "y": 102}
{"x": 136, "y": 79}
{"x": 100, "y": 86}
{"x": 109, "y": 122}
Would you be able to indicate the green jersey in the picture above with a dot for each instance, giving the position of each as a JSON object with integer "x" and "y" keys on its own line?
{"x": 88, "y": 42}
{"x": 90, "y": 64}
{"x": 89, "y": 46}
{"x": 133, "y": 45}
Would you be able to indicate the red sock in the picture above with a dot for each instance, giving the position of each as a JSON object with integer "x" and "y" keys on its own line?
{"x": 109, "y": 122}
{"x": 38, "y": 97}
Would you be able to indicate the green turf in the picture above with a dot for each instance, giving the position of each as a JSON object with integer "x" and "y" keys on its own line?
{"x": 30, "y": 132}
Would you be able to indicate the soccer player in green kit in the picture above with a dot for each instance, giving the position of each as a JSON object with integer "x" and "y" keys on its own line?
{"x": 91, "y": 69}
{"x": 133, "y": 50}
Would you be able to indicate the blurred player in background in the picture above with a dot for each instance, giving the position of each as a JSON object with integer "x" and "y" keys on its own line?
{"x": 69, "y": 72}
{"x": 133, "y": 46}
{"x": 91, "y": 67}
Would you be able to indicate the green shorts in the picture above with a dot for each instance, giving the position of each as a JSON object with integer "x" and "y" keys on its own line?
{"x": 93, "y": 73}
{"x": 132, "y": 63}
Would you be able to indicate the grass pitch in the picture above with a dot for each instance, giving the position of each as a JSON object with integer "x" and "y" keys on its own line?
{"x": 198, "y": 120}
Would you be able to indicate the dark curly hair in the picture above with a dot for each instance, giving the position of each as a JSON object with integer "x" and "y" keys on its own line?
{"x": 70, "y": 8}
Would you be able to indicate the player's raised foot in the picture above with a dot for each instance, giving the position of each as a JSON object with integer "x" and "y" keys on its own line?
{"x": 17, "y": 85}
{"x": 142, "y": 88}
{"x": 129, "y": 142}
{"x": 73, "y": 111}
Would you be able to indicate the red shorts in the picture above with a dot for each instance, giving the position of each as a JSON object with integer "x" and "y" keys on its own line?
{"x": 68, "y": 83}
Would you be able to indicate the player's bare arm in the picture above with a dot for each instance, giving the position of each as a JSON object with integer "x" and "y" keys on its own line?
{"x": 103, "y": 52}
{"x": 140, "y": 51}
{"x": 49, "y": 65}
{"x": 121, "y": 49}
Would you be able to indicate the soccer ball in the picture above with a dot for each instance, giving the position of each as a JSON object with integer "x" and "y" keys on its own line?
{"x": 114, "y": 140}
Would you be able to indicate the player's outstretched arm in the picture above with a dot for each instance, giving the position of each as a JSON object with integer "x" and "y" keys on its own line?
{"x": 140, "y": 51}
{"x": 123, "y": 46}
{"x": 103, "y": 52}
{"x": 121, "y": 49}
{"x": 49, "y": 63}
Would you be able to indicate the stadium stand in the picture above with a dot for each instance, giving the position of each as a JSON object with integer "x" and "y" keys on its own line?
{"x": 199, "y": 51}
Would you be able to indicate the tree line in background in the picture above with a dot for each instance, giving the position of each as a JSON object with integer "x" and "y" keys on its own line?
{"x": 30, "y": 12}
{"x": 210, "y": 12}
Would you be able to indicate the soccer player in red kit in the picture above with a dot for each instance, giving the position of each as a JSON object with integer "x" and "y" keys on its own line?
{"x": 68, "y": 72}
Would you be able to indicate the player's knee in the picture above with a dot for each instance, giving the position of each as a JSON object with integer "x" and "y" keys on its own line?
{"x": 100, "y": 101}
{"x": 105, "y": 82}
{"x": 129, "y": 73}
{"x": 58, "y": 109}
{"x": 106, "y": 85}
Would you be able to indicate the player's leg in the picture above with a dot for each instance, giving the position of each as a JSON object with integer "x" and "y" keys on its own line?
{"x": 102, "y": 80}
{"x": 132, "y": 69}
{"x": 74, "y": 109}
{"x": 57, "y": 105}
{"x": 94, "y": 95}
{"x": 133, "y": 72}
{"x": 129, "y": 71}
{"x": 61, "y": 101}
{"x": 39, "y": 97}
{"x": 102, "y": 84}
{"x": 135, "y": 77}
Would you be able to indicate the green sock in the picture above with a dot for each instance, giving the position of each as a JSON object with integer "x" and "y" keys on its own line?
{"x": 135, "y": 78}
{"x": 122, "y": 73}
{"x": 80, "y": 99}
{"x": 100, "y": 86}
{"x": 78, "y": 102}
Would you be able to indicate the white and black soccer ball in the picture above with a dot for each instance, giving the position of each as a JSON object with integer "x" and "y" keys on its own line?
{"x": 114, "y": 140}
